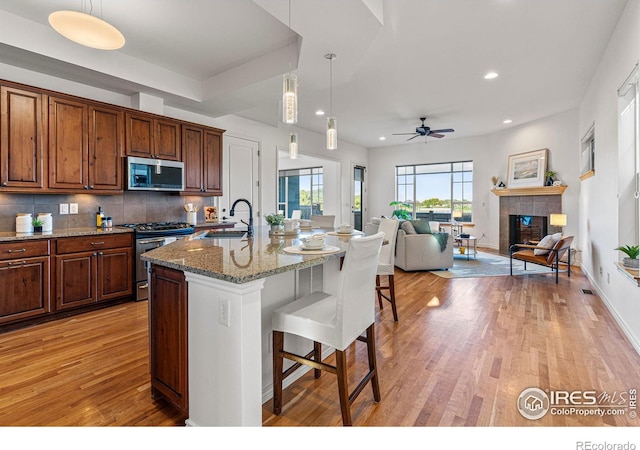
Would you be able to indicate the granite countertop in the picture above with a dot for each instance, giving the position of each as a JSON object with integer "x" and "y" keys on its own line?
{"x": 9, "y": 236}
{"x": 241, "y": 260}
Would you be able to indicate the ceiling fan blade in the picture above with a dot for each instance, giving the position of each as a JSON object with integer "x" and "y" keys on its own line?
{"x": 445, "y": 130}
{"x": 413, "y": 137}
{"x": 436, "y": 135}
{"x": 400, "y": 134}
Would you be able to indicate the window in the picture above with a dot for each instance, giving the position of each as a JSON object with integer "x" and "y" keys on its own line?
{"x": 629, "y": 162}
{"x": 300, "y": 189}
{"x": 437, "y": 192}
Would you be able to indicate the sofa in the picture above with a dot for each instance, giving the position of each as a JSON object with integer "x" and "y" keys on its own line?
{"x": 422, "y": 252}
{"x": 419, "y": 249}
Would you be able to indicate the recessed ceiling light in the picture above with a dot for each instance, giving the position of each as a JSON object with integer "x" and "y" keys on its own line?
{"x": 507, "y": 121}
{"x": 319, "y": 112}
{"x": 490, "y": 76}
{"x": 382, "y": 138}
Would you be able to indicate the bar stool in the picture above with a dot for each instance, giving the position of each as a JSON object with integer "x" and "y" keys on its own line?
{"x": 386, "y": 264}
{"x": 321, "y": 221}
{"x": 334, "y": 320}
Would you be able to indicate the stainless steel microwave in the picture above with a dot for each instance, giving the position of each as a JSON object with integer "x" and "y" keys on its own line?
{"x": 146, "y": 174}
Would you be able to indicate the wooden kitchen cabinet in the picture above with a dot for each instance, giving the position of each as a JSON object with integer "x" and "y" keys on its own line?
{"x": 106, "y": 142}
{"x": 168, "y": 345}
{"x": 25, "y": 280}
{"x": 85, "y": 146}
{"x": 93, "y": 269}
{"x": 151, "y": 137}
{"x": 68, "y": 144}
{"x": 22, "y": 139}
{"x": 202, "y": 157}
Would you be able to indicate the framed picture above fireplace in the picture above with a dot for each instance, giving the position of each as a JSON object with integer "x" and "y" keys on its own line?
{"x": 528, "y": 169}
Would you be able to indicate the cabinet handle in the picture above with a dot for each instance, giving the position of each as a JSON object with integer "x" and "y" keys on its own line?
{"x": 100, "y": 253}
{"x": 22, "y": 250}
{"x": 95, "y": 254}
{"x": 4, "y": 183}
{"x": 98, "y": 243}
{"x": 15, "y": 265}
{"x": 85, "y": 187}
{"x": 90, "y": 187}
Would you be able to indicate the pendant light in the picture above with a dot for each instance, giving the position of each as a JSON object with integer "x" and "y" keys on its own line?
{"x": 290, "y": 89}
{"x": 332, "y": 122}
{"x": 86, "y": 29}
{"x": 293, "y": 146}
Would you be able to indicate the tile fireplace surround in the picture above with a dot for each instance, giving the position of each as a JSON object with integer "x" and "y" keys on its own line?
{"x": 526, "y": 205}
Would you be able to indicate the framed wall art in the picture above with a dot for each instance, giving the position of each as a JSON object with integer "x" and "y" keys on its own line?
{"x": 528, "y": 169}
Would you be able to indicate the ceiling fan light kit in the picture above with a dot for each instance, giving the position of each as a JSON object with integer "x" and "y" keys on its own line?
{"x": 425, "y": 131}
{"x": 87, "y": 30}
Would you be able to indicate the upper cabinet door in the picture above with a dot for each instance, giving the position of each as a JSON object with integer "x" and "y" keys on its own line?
{"x": 139, "y": 135}
{"x": 148, "y": 137}
{"x": 213, "y": 162}
{"x": 68, "y": 154}
{"x": 192, "y": 149}
{"x": 106, "y": 138}
{"x": 22, "y": 138}
{"x": 167, "y": 140}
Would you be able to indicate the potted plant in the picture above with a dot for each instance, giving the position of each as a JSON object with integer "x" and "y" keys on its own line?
{"x": 549, "y": 176}
{"x": 37, "y": 225}
{"x": 276, "y": 221}
{"x": 632, "y": 252}
{"x": 402, "y": 213}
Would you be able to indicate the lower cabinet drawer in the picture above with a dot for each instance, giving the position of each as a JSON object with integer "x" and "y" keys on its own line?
{"x": 23, "y": 249}
{"x": 93, "y": 243}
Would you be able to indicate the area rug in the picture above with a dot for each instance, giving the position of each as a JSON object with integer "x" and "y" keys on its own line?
{"x": 487, "y": 265}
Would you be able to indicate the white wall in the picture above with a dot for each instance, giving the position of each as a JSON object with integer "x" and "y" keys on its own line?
{"x": 489, "y": 154}
{"x": 599, "y": 194}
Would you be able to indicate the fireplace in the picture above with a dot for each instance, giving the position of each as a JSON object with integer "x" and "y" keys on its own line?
{"x": 524, "y": 228}
{"x": 534, "y": 206}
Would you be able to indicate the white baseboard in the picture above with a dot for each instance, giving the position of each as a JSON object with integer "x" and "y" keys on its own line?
{"x": 618, "y": 318}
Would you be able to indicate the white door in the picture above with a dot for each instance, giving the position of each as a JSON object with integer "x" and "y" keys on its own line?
{"x": 241, "y": 179}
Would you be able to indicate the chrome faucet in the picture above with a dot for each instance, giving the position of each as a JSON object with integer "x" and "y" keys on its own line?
{"x": 250, "y": 224}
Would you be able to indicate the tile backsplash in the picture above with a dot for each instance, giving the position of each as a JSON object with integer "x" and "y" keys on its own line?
{"x": 130, "y": 207}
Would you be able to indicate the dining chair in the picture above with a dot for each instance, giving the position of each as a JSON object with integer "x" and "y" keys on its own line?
{"x": 386, "y": 264}
{"x": 319, "y": 221}
{"x": 334, "y": 320}
{"x": 296, "y": 214}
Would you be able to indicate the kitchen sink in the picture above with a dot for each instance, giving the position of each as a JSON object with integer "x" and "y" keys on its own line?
{"x": 224, "y": 234}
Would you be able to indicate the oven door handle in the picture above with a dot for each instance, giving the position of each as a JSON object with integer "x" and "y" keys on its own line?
{"x": 150, "y": 240}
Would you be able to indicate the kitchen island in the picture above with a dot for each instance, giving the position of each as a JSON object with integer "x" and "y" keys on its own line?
{"x": 232, "y": 287}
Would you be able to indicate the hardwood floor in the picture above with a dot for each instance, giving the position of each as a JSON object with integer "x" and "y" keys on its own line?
{"x": 91, "y": 369}
{"x": 460, "y": 355}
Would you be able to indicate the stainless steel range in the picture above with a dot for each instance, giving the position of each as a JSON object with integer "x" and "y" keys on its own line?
{"x": 149, "y": 236}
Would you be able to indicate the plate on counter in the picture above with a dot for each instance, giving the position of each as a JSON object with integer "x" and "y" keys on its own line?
{"x": 299, "y": 250}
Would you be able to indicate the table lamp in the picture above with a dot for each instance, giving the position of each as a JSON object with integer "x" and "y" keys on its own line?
{"x": 558, "y": 220}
